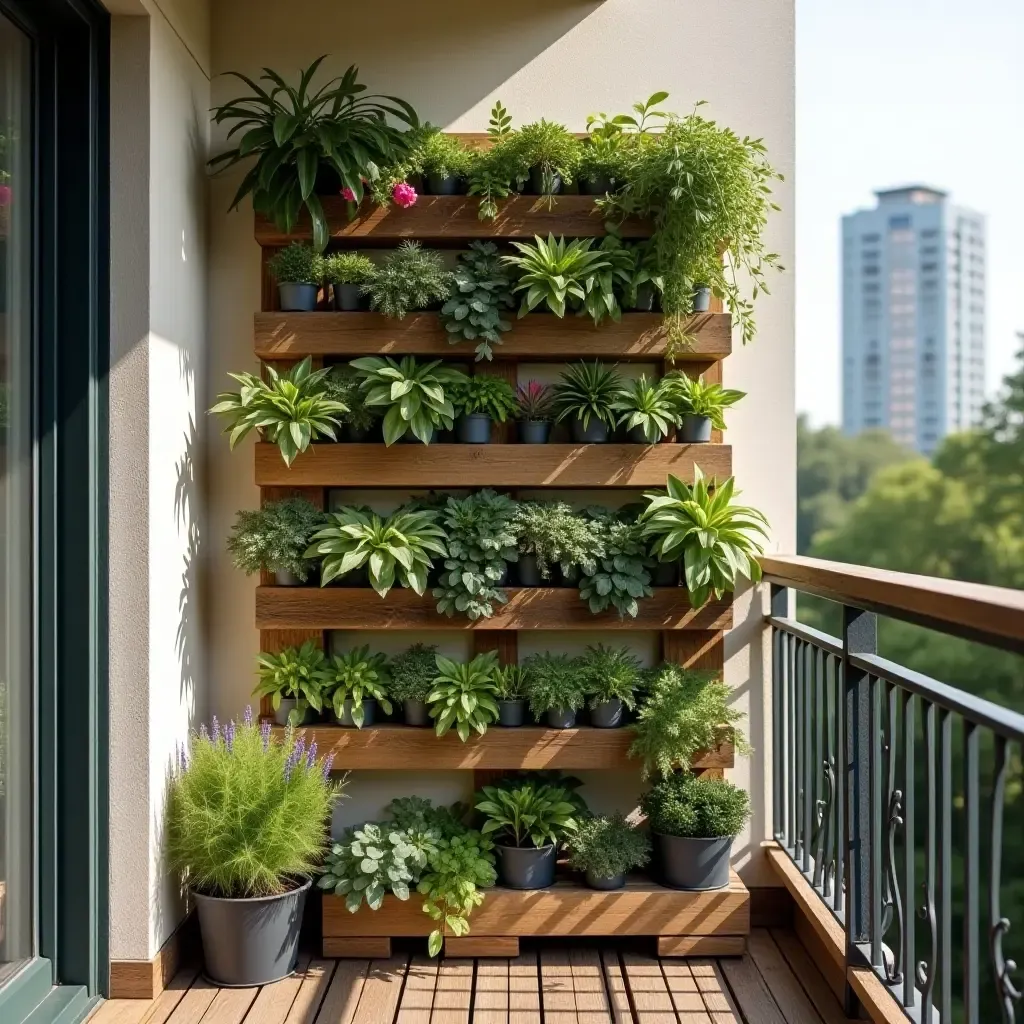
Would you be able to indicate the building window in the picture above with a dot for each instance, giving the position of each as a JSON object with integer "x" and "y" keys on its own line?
{"x": 900, "y": 221}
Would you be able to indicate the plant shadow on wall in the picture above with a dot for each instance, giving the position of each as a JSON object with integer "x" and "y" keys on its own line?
{"x": 189, "y": 632}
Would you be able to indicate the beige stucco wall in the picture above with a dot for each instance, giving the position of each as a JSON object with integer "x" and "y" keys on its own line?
{"x": 558, "y": 59}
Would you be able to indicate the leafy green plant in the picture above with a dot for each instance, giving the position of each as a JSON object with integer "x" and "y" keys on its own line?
{"x": 399, "y": 547}
{"x": 275, "y": 537}
{"x": 417, "y": 814}
{"x": 291, "y": 409}
{"x": 643, "y": 270}
{"x": 620, "y": 576}
{"x": 413, "y": 672}
{"x": 683, "y": 713}
{"x": 604, "y": 287}
{"x": 246, "y": 816}
{"x": 555, "y": 534}
{"x": 444, "y": 155}
{"x": 696, "y": 807}
{"x": 588, "y": 390}
{"x": 348, "y": 268}
{"x": 297, "y": 263}
{"x": 344, "y": 384}
{"x": 551, "y": 148}
{"x": 293, "y": 133}
{"x": 485, "y": 394}
{"x": 554, "y": 681}
{"x": 511, "y": 682}
{"x": 495, "y": 170}
{"x": 555, "y": 272}
{"x": 603, "y": 154}
{"x": 695, "y": 397}
{"x": 481, "y": 543}
{"x": 529, "y": 814}
{"x": 463, "y": 695}
{"x": 296, "y": 673}
{"x": 716, "y": 539}
{"x": 609, "y": 673}
{"x": 536, "y": 402}
{"x": 412, "y": 393}
{"x": 607, "y": 846}
{"x": 482, "y": 290}
{"x": 409, "y": 278}
{"x": 648, "y": 406}
{"x": 354, "y": 676}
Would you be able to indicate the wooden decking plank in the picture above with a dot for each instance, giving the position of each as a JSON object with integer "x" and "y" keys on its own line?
{"x": 523, "y": 990}
{"x": 753, "y": 996}
{"x": 558, "y": 997}
{"x": 616, "y": 984}
{"x": 275, "y": 1000}
{"x": 588, "y": 984}
{"x": 686, "y": 997}
{"x": 491, "y": 995}
{"x": 809, "y": 976}
{"x": 782, "y": 982}
{"x": 194, "y": 1004}
{"x": 714, "y": 992}
{"x": 147, "y": 1011}
{"x": 380, "y": 989}
{"x": 230, "y": 1005}
{"x": 454, "y": 992}
{"x": 651, "y": 999}
{"x": 344, "y": 993}
{"x": 311, "y": 992}
{"x": 418, "y": 994}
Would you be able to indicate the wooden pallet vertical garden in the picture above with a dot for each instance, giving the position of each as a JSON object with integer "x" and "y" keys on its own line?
{"x": 685, "y": 923}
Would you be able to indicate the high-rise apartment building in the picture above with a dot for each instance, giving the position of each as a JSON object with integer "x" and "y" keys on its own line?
{"x": 913, "y": 317}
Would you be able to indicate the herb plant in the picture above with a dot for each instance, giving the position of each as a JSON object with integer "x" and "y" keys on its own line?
{"x": 275, "y": 537}
{"x": 417, "y": 814}
{"x": 555, "y": 272}
{"x": 443, "y": 155}
{"x": 554, "y": 681}
{"x": 413, "y": 672}
{"x": 463, "y": 695}
{"x": 298, "y": 264}
{"x": 355, "y": 676}
{"x": 609, "y": 673}
{"x": 694, "y": 397}
{"x": 555, "y": 534}
{"x": 550, "y": 148}
{"x": 620, "y": 577}
{"x": 247, "y": 816}
{"x": 536, "y": 402}
{"x": 531, "y": 814}
{"x": 486, "y": 395}
{"x": 588, "y": 390}
{"x": 410, "y": 278}
{"x": 344, "y": 384}
{"x": 607, "y": 846}
{"x": 296, "y": 673}
{"x": 348, "y": 268}
{"x": 511, "y": 682}
{"x": 696, "y": 807}
{"x": 481, "y": 292}
{"x": 494, "y": 171}
{"x": 647, "y": 406}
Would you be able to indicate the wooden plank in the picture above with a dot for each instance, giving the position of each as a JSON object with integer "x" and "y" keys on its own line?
{"x": 537, "y": 337}
{"x": 778, "y": 975}
{"x": 753, "y": 995}
{"x": 418, "y": 994}
{"x": 148, "y": 1011}
{"x": 694, "y": 649}
{"x": 491, "y": 993}
{"x": 360, "y": 947}
{"x": 492, "y": 465}
{"x": 382, "y": 988}
{"x": 481, "y": 945}
{"x": 701, "y": 945}
{"x": 558, "y": 998}
{"x": 194, "y": 1004}
{"x": 770, "y": 907}
{"x": 506, "y": 643}
{"x": 715, "y": 993}
{"x": 813, "y": 981}
{"x": 275, "y": 1000}
{"x": 454, "y": 992}
{"x": 455, "y": 218}
{"x": 344, "y": 996}
{"x": 686, "y": 997}
{"x": 401, "y": 748}
{"x": 592, "y": 1005}
{"x": 652, "y": 1003}
{"x": 834, "y": 973}
{"x": 311, "y": 992}
{"x": 230, "y": 1006}
{"x": 523, "y": 990}
{"x": 616, "y": 984}
{"x": 875, "y": 997}
{"x": 316, "y": 608}
{"x": 641, "y": 908}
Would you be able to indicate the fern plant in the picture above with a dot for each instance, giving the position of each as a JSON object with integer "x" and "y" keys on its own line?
{"x": 410, "y": 278}
{"x": 481, "y": 292}
{"x": 554, "y": 682}
{"x": 275, "y": 537}
{"x": 609, "y": 673}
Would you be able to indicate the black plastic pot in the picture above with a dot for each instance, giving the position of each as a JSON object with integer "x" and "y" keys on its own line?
{"x": 597, "y": 882}
{"x": 511, "y": 713}
{"x": 284, "y": 578}
{"x": 694, "y": 864}
{"x": 695, "y": 429}
{"x": 369, "y": 714}
{"x": 665, "y": 574}
{"x": 536, "y": 183}
{"x": 701, "y": 299}
{"x": 644, "y": 298}
{"x": 595, "y": 186}
{"x": 251, "y": 942}
{"x": 349, "y": 298}
{"x": 410, "y": 438}
{"x": 595, "y": 431}
{"x": 297, "y": 298}
{"x": 359, "y": 435}
{"x": 355, "y": 578}
{"x": 443, "y": 185}
{"x": 528, "y": 572}
{"x": 566, "y": 579}
{"x": 608, "y": 714}
{"x": 474, "y": 429}
{"x": 534, "y": 431}
{"x": 560, "y": 718}
{"x": 636, "y": 435}
{"x": 284, "y": 709}
{"x": 526, "y": 867}
{"x": 415, "y": 712}
{"x": 417, "y": 182}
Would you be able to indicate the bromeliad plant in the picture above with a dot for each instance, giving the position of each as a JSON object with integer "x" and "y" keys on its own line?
{"x": 481, "y": 292}
{"x": 588, "y": 390}
{"x": 531, "y": 813}
{"x": 648, "y": 407}
{"x": 716, "y": 539}
{"x": 463, "y": 695}
{"x": 695, "y": 397}
{"x": 296, "y": 673}
{"x": 554, "y": 683}
{"x": 275, "y": 537}
{"x": 408, "y": 279}
{"x": 485, "y": 395}
{"x": 293, "y": 133}
{"x": 354, "y": 676}
{"x": 290, "y": 409}
{"x": 535, "y": 402}
{"x": 555, "y": 272}
{"x": 620, "y": 576}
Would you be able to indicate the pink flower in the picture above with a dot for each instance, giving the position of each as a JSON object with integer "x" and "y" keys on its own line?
{"x": 347, "y": 193}
{"x": 404, "y": 195}
{"x": 5, "y": 195}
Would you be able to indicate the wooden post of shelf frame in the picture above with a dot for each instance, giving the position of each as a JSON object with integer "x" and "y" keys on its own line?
{"x": 506, "y": 643}
{"x": 699, "y": 649}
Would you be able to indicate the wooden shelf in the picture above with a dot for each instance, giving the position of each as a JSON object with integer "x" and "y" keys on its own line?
{"x": 403, "y": 748}
{"x": 505, "y": 466}
{"x": 453, "y": 218}
{"x": 313, "y": 608}
{"x": 637, "y": 336}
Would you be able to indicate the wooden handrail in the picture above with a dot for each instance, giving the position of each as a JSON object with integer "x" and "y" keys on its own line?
{"x": 993, "y": 615}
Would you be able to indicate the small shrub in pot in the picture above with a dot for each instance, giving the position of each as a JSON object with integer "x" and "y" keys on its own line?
{"x": 555, "y": 688}
{"x": 408, "y": 279}
{"x": 293, "y": 679}
{"x": 549, "y": 153}
{"x": 298, "y": 270}
{"x": 347, "y": 273}
{"x": 606, "y": 848}
{"x": 610, "y": 676}
{"x": 479, "y": 401}
{"x": 445, "y": 162}
{"x": 354, "y": 684}
{"x": 274, "y": 538}
{"x": 535, "y": 410}
{"x": 412, "y": 678}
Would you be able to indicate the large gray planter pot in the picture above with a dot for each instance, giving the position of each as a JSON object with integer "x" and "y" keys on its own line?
{"x": 526, "y": 867}
{"x": 608, "y": 714}
{"x": 415, "y": 712}
{"x": 534, "y": 431}
{"x": 284, "y": 578}
{"x": 560, "y": 718}
{"x": 252, "y": 941}
{"x": 701, "y": 299}
{"x": 605, "y": 884}
{"x": 529, "y": 572}
{"x": 369, "y": 714}
{"x": 694, "y": 864}
{"x": 443, "y": 185}
{"x": 297, "y": 298}
{"x": 511, "y": 713}
{"x": 348, "y": 297}
{"x": 474, "y": 429}
{"x": 695, "y": 429}
{"x": 287, "y": 705}
{"x": 595, "y": 432}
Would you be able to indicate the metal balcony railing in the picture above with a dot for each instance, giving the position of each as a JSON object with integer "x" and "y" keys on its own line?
{"x": 904, "y": 850}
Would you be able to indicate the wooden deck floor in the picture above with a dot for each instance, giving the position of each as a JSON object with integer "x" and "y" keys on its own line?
{"x": 775, "y": 983}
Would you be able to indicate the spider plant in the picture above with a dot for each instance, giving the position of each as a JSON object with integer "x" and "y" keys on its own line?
{"x": 555, "y": 271}
{"x": 588, "y": 390}
{"x": 647, "y": 408}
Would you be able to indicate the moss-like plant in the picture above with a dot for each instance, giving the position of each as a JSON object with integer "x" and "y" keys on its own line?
{"x": 348, "y": 268}
{"x": 413, "y": 672}
{"x": 296, "y": 264}
{"x": 446, "y": 156}
{"x": 410, "y": 278}
{"x": 696, "y": 807}
{"x": 275, "y": 537}
{"x": 607, "y": 846}
{"x": 554, "y": 682}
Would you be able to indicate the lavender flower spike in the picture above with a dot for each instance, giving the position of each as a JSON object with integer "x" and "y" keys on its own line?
{"x": 291, "y": 761}
{"x": 265, "y": 735}
{"x": 203, "y": 734}
{"x": 247, "y": 715}
{"x": 215, "y": 729}
{"x": 229, "y": 735}
{"x": 311, "y": 755}
{"x": 328, "y": 765}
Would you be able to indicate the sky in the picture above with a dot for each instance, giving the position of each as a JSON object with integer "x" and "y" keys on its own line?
{"x": 892, "y": 92}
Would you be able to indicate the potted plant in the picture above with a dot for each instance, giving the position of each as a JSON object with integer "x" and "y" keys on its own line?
{"x": 602, "y": 161}
{"x": 643, "y": 293}
{"x": 398, "y": 548}
{"x": 412, "y": 678}
{"x": 699, "y": 405}
{"x": 530, "y": 820}
{"x": 409, "y": 278}
{"x": 701, "y": 298}
{"x": 511, "y": 683}
{"x": 274, "y": 538}
{"x": 535, "y": 411}
{"x": 479, "y": 401}
{"x": 463, "y": 695}
{"x": 684, "y": 712}
{"x": 586, "y": 396}
{"x": 610, "y": 676}
{"x": 293, "y": 680}
{"x": 481, "y": 292}
{"x": 553, "y": 273}
{"x": 445, "y": 162}
{"x": 347, "y": 273}
{"x": 550, "y": 533}
{"x": 646, "y": 410}
{"x": 360, "y": 422}
{"x": 550, "y": 153}
{"x": 355, "y": 683}
{"x": 411, "y": 393}
{"x": 693, "y": 821}
{"x": 619, "y": 577}
{"x": 716, "y": 539}
{"x": 555, "y": 689}
{"x": 605, "y": 848}
{"x": 298, "y": 270}
{"x": 247, "y": 821}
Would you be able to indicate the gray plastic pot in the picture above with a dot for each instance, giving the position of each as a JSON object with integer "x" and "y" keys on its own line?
{"x": 287, "y": 705}
{"x": 608, "y": 714}
{"x": 443, "y": 185}
{"x": 348, "y": 297}
{"x": 526, "y": 867}
{"x": 534, "y": 431}
{"x": 529, "y": 572}
{"x": 474, "y": 429}
{"x": 284, "y": 578}
{"x": 560, "y": 718}
{"x": 415, "y": 712}
{"x": 511, "y": 713}
{"x": 636, "y": 435}
{"x": 644, "y": 298}
{"x": 297, "y": 298}
{"x": 694, "y": 864}
{"x": 369, "y": 714}
{"x": 665, "y": 574}
{"x": 595, "y": 432}
{"x": 595, "y": 186}
{"x": 701, "y": 299}
{"x": 597, "y": 882}
{"x": 536, "y": 183}
{"x": 252, "y": 941}
{"x": 695, "y": 429}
